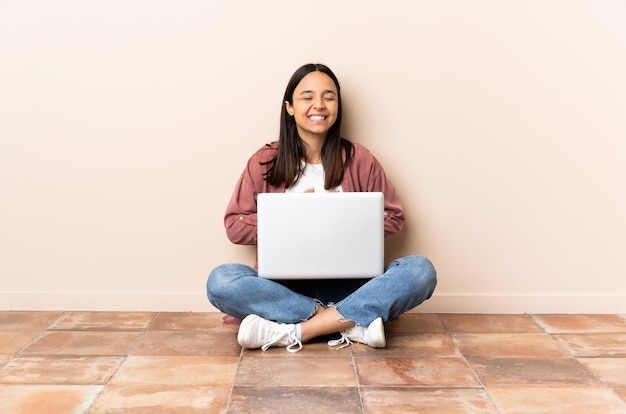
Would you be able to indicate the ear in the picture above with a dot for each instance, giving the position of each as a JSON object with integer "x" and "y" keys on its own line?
{"x": 289, "y": 108}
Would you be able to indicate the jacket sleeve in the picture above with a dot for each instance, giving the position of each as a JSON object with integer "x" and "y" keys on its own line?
{"x": 394, "y": 212}
{"x": 240, "y": 219}
{"x": 366, "y": 173}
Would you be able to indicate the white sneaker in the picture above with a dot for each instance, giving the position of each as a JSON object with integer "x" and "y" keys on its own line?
{"x": 256, "y": 332}
{"x": 373, "y": 335}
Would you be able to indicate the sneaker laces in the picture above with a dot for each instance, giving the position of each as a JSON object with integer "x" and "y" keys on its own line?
{"x": 355, "y": 334}
{"x": 282, "y": 334}
{"x": 372, "y": 335}
{"x": 343, "y": 340}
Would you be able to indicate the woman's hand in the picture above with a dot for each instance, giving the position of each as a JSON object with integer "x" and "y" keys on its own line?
{"x": 312, "y": 190}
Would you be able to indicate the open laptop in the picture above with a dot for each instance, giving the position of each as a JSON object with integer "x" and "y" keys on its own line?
{"x": 320, "y": 235}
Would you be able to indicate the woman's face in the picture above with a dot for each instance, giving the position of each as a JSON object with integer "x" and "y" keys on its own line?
{"x": 315, "y": 105}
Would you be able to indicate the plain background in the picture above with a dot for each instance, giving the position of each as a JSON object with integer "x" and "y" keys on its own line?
{"x": 124, "y": 126}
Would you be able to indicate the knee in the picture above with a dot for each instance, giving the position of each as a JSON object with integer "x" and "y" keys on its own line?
{"x": 424, "y": 272}
{"x": 225, "y": 280}
{"x": 218, "y": 281}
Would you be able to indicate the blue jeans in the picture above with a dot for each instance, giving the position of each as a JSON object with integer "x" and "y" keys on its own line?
{"x": 236, "y": 290}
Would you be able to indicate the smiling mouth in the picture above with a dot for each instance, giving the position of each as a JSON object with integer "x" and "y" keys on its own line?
{"x": 317, "y": 118}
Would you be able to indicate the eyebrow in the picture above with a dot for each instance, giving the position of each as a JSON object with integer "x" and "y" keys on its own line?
{"x": 325, "y": 92}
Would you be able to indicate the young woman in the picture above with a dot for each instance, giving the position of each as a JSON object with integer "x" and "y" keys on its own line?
{"x": 310, "y": 155}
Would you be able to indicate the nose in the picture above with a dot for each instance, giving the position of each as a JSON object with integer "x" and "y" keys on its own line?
{"x": 319, "y": 102}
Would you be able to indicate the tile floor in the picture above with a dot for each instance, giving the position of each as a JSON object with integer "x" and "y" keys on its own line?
{"x": 144, "y": 362}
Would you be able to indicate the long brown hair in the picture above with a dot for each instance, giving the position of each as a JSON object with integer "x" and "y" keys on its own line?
{"x": 287, "y": 166}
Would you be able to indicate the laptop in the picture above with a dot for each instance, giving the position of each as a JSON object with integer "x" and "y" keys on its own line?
{"x": 320, "y": 235}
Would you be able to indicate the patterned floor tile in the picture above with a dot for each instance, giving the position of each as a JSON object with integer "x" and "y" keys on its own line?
{"x": 59, "y": 370}
{"x": 27, "y": 320}
{"x": 177, "y": 370}
{"x": 414, "y": 372}
{"x": 581, "y": 323}
{"x": 611, "y": 371}
{"x": 47, "y": 399}
{"x": 191, "y": 321}
{"x": 293, "y": 370}
{"x": 288, "y": 400}
{"x": 187, "y": 343}
{"x": 496, "y": 372}
{"x": 83, "y": 343}
{"x": 12, "y": 341}
{"x": 621, "y": 392}
{"x": 594, "y": 345}
{"x": 161, "y": 399}
{"x": 5, "y": 358}
{"x": 414, "y": 323}
{"x": 557, "y": 400}
{"x": 509, "y": 345}
{"x": 417, "y": 345}
{"x": 104, "y": 321}
{"x": 485, "y": 323}
{"x": 426, "y": 401}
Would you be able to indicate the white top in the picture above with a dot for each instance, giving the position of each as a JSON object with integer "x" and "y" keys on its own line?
{"x": 312, "y": 176}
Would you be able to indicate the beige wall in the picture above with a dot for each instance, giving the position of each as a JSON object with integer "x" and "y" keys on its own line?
{"x": 125, "y": 124}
